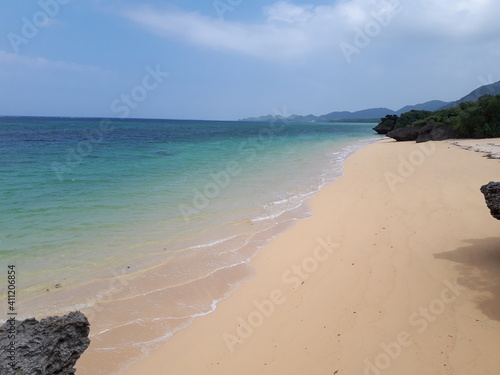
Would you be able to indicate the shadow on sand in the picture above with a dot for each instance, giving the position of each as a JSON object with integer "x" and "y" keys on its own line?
{"x": 479, "y": 266}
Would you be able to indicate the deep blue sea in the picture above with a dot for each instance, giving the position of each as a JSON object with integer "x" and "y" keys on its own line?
{"x": 96, "y": 213}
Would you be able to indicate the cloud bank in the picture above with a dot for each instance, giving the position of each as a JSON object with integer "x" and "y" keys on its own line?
{"x": 287, "y": 30}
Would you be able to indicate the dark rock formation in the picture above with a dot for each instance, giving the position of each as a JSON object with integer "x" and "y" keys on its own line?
{"x": 435, "y": 131}
{"x": 386, "y": 124}
{"x": 383, "y": 128}
{"x": 47, "y": 347}
{"x": 431, "y": 131}
{"x": 491, "y": 193}
{"x": 406, "y": 133}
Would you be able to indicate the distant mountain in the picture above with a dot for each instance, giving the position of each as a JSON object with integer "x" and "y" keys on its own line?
{"x": 491, "y": 89}
{"x": 365, "y": 114}
{"x": 377, "y": 113}
{"x": 433, "y": 105}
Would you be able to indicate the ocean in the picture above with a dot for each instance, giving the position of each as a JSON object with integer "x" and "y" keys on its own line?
{"x": 149, "y": 223}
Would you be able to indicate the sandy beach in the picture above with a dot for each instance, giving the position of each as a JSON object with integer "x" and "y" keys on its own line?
{"x": 396, "y": 272}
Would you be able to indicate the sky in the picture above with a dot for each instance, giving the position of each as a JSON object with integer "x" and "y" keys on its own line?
{"x": 231, "y": 59}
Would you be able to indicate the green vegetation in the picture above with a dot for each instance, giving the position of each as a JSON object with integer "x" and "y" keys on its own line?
{"x": 408, "y": 118}
{"x": 480, "y": 119}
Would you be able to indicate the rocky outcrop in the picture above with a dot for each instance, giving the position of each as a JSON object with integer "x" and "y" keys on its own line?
{"x": 406, "y": 133}
{"x": 491, "y": 193}
{"x": 436, "y": 131}
{"x": 387, "y": 124}
{"x": 383, "y": 128}
{"x": 47, "y": 347}
{"x": 431, "y": 131}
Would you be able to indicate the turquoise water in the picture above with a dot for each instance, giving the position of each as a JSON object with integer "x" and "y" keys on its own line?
{"x": 86, "y": 200}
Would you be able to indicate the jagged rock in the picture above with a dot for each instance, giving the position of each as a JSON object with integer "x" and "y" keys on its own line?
{"x": 406, "y": 133}
{"x": 431, "y": 131}
{"x": 491, "y": 193}
{"x": 383, "y": 128}
{"x": 436, "y": 131}
{"x": 47, "y": 347}
{"x": 386, "y": 124}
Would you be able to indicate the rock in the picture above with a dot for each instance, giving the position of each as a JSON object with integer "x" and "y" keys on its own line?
{"x": 491, "y": 193}
{"x": 46, "y": 347}
{"x": 431, "y": 131}
{"x": 406, "y": 133}
{"x": 436, "y": 131}
{"x": 386, "y": 124}
{"x": 383, "y": 128}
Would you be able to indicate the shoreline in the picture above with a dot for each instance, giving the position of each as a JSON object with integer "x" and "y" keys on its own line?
{"x": 102, "y": 225}
{"x": 227, "y": 236}
{"x": 330, "y": 292}
{"x": 162, "y": 308}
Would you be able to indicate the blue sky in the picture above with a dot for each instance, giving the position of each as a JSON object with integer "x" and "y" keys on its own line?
{"x": 229, "y": 59}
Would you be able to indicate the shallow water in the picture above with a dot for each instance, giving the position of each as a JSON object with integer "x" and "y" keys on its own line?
{"x": 156, "y": 213}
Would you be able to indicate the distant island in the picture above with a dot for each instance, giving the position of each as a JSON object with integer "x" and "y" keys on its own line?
{"x": 374, "y": 114}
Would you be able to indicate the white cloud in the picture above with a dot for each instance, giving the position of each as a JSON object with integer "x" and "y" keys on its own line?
{"x": 288, "y": 30}
{"x": 451, "y": 19}
{"x": 262, "y": 40}
{"x": 43, "y": 63}
{"x": 288, "y": 13}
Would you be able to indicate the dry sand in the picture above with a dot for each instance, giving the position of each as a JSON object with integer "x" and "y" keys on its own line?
{"x": 397, "y": 272}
